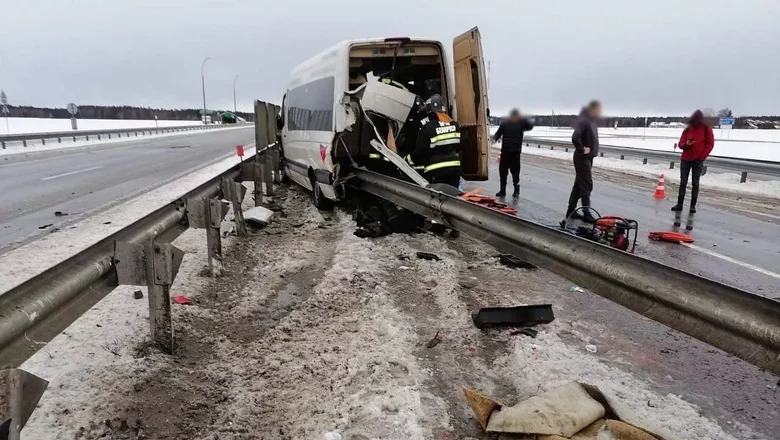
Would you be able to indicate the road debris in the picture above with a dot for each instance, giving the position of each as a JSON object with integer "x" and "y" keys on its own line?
{"x": 576, "y": 289}
{"x": 591, "y": 348}
{"x": 428, "y": 256}
{"x": 468, "y": 283}
{"x": 575, "y": 410}
{"x": 258, "y": 216}
{"x": 490, "y": 202}
{"x": 435, "y": 341}
{"x": 526, "y": 331}
{"x": 138, "y": 294}
{"x": 183, "y": 300}
{"x": 520, "y": 316}
{"x": 46, "y": 226}
{"x": 509, "y": 260}
{"x": 60, "y": 213}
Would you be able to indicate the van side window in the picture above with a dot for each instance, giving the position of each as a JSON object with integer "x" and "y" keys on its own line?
{"x": 310, "y": 106}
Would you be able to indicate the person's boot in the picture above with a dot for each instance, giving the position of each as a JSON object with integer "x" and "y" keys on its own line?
{"x": 502, "y": 187}
{"x": 516, "y": 193}
{"x": 588, "y": 217}
{"x": 692, "y": 209}
{"x": 678, "y": 207}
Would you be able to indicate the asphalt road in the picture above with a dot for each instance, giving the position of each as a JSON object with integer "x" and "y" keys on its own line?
{"x": 78, "y": 183}
{"x": 730, "y": 248}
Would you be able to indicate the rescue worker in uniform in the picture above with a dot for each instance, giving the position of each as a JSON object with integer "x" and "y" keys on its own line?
{"x": 437, "y": 149}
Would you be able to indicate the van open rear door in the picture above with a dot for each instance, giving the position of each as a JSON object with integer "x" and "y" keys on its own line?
{"x": 472, "y": 104}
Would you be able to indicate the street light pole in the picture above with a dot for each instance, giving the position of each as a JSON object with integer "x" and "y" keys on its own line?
{"x": 234, "y": 94}
{"x": 203, "y": 86}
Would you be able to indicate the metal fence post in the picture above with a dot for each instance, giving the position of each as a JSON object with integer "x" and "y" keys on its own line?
{"x": 24, "y": 143}
{"x": 743, "y": 177}
{"x": 162, "y": 264}
{"x": 671, "y": 165}
{"x": 214, "y": 215}
{"x": 74, "y": 138}
{"x": 268, "y": 176}
{"x": 20, "y": 392}
{"x": 644, "y": 161}
{"x": 43, "y": 141}
{"x": 3, "y": 142}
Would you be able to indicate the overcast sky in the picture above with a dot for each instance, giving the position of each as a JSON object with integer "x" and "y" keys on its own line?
{"x": 638, "y": 57}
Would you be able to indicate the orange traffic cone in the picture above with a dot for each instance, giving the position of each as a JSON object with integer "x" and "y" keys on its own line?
{"x": 660, "y": 191}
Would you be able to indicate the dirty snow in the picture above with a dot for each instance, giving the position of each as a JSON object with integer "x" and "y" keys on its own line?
{"x": 28, "y": 261}
{"x": 314, "y": 333}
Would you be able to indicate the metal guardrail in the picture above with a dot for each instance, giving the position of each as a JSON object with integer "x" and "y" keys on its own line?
{"x": 140, "y": 254}
{"x": 731, "y": 319}
{"x": 99, "y": 134}
{"x": 744, "y": 166}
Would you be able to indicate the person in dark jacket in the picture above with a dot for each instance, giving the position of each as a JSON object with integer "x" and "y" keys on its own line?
{"x": 696, "y": 143}
{"x": 437, "y": 149}
{"x": 511, "y": 132}
{"x": 586, "y": 146}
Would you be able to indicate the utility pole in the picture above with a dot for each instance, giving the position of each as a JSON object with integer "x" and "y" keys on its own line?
{"x": 234, "y": 94}
{"x": 203, "y": 86}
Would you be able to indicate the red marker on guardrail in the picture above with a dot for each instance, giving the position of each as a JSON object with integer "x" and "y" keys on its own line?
{"x": 240, "y": 151}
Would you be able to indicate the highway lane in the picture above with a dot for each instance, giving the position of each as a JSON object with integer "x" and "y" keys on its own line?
{"x": 730, "y": 248}
{"x": 32, "y": 191}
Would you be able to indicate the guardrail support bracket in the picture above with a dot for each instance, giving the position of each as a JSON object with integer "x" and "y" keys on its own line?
{"x": 208, "y": 214}
{"x": 20, "y": 392}
{"x": 235, "y": 192}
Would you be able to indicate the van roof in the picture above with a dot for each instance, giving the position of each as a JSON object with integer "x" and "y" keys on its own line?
{"x": 344, "y": 46}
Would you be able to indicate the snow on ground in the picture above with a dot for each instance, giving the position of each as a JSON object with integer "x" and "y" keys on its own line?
{"x": 720, "y": 180}
{"x": 746, "y": 144}
{"x": 30, "y": 260}
{"x": 35, "y": 146}
{"x": 42, "y": 125}
{"x": 313, "y": 333}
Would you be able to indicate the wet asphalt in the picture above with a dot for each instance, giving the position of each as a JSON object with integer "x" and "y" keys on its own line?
{"x": 79, "y": 182}
{"x": 734, "y": 238}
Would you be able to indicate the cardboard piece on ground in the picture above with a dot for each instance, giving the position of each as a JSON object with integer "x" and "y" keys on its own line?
{"x": 563, "y": 411}
{"x": 482, "y": 406}
{"x": 258, "y": 216}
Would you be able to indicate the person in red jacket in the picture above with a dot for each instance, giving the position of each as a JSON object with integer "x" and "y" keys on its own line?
{"x": 696, "y": 144}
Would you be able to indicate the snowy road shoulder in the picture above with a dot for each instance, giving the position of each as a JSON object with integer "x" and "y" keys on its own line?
{"x": 314, "y": 331}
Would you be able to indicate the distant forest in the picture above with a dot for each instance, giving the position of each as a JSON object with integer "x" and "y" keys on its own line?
{"x": 112, "y": 112}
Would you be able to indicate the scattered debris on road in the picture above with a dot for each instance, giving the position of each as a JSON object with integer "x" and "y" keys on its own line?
{"x": 258, "y": 216}
{"x": 435, "y": 341}
{"x": 574, "y": 410}
{"x": 46, "y": 226}
{"x": 509, "y": 260}
{"x": 183, "y": 300}
{"x": 107, "y": 223}
{"x": 591, "y": 348}
{"x": 60, "y": 213}
{"x": 528, "y": 331}
{"x": 576, "y": 289}
{"x": 138, "y": 294}
{"x": 520, "y": 316}
{"x": 428, "y": 256}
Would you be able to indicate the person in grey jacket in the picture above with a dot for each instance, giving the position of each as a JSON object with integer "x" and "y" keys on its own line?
{"x": 586, "y": 146}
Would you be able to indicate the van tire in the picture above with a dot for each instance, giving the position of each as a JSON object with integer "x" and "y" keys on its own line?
{"x": 320, "y": 201}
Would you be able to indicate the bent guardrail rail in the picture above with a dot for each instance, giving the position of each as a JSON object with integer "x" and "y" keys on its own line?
{"x": 736, "y": 321}
{"x": 99, "y": 134}
{"x": 744, "y": 166}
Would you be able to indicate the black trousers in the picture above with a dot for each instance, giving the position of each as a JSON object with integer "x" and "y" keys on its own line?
{"x": 510, "y": 162}
{"x": 448, "y": 175}
{"x": 686, "y": 166}
{"x": 583, "y": 182}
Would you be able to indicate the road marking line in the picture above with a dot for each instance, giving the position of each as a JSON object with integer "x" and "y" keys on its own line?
{"x": 71, "y": 173}
{"x": 760, "y": 213}
{"x": 732, "y": 260}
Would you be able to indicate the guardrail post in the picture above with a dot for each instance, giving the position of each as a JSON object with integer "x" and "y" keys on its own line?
{"x": 109, "y": 135}
{"x": 277, "y": 175}
{"x": 268, "y": 173}
{"x": 258, "y": 189}
{"x": 644, "y": 161}
{"x": 59, "y": 140}
{"x": 566, "y": 149}
{"x": 43, "y": 141}
{"x": 86, "y": 137}
{"x": 207, "y": 213}
{"x": 74, "y": 138}
{"x": 622, "y": 157}
{"x": 235, "y": 192}
{"x": 601, "y": 154}
{"x": 3, "y": 142}
{"x": 704, "y": 170}
{"x": 20, "y": 392}
{"x": 551, "y": 147}
{"x": 743, "y": 177}
{"x": 155, "y": 266}
{"x": 24, "y": 143}
{"x": 136, "y": 134}
{"x": 671, "y": 165}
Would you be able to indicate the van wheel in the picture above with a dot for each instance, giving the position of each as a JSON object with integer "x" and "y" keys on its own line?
{"x": 320, "y": 201}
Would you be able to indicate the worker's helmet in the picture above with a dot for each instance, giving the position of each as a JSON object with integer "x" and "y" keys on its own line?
{"x": 435, "y": 104}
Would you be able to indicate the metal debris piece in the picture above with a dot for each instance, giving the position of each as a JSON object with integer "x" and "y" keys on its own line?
{"x": 520, "y": 316}
{"x": 138, "y": 294}
{"x": 528, "y": 331}
{"x": 435, "y": 341}
{"x": 509, "y": 260}
{"x": 428, "y": 256}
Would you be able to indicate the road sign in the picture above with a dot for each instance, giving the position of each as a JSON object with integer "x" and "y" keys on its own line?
{"x": 726, "y": 122}
{"x": 73, "y": 109}
{"x": 5, "y": 110}
{"x": 3, "y": 98}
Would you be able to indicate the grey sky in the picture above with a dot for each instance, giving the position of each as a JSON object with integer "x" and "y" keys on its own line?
{"x": 639, "y": 58}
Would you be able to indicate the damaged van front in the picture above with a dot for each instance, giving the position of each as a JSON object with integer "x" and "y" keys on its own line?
{"x": 357, "y": 104}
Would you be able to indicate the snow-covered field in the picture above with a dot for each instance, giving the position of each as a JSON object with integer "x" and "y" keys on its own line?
{"x": 42, "y": 125}
{"x": 747, "y": 144}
